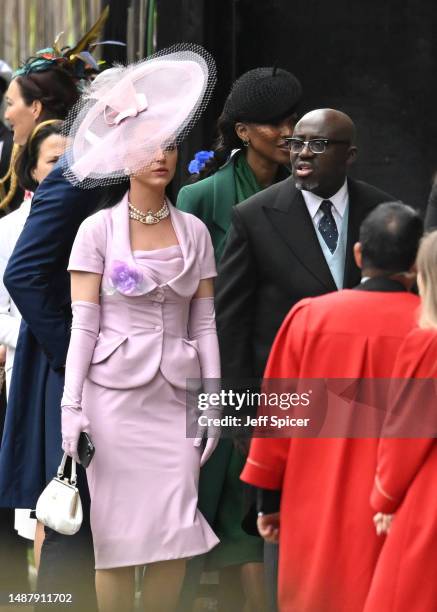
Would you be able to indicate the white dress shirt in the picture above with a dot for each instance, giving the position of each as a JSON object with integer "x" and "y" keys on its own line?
{"x": 340, "y": 202}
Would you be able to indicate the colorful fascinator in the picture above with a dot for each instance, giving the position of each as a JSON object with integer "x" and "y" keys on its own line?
{"x": 43, "y": 60}
{"x": 128, "y": 113}
{"x": 77, "y": 59}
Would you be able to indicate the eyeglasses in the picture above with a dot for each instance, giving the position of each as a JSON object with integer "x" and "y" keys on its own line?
{"x": 317, "y": 145}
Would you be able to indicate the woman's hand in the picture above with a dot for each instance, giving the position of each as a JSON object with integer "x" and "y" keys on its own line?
{"x": 73, "y": 423}
{"x": 2, "y": 355}
{"x": 210, "y": 446}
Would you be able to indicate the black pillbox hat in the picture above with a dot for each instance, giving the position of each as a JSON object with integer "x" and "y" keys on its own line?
{"x": 263, "y": 95}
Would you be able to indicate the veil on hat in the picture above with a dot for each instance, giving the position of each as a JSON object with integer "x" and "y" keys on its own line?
{"x": 128, "y": 113}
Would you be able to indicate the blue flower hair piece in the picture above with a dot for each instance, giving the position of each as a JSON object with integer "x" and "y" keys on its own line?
{"x": 197, "y": 164}
{"x": 42, "y": 61}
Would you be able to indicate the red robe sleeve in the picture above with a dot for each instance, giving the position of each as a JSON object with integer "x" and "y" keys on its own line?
{"x": 414, "y": 404}
{"x": 267, "y": 459}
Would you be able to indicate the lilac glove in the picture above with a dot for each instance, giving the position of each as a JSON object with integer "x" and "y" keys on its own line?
{"x": 84, "y": 332}
{"x": 201, "y": 327}
{"x": 73, "y": 422}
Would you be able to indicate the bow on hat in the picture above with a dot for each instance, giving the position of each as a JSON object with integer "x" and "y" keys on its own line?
{"x": 124, "y": 102}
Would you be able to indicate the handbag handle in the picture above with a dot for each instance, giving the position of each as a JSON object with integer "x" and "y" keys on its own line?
{"x": 61, "y": 468}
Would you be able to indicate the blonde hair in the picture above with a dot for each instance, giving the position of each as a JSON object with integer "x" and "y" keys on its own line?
{"x": 427, "y": 271}
{"x": 6, "y": 197}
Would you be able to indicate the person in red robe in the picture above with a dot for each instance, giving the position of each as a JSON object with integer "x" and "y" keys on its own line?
{"x": 327, "y": 540}
{"x": 406, "y": 473}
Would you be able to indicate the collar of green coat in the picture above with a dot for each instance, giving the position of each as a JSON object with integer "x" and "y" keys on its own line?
{"x": 224, "y": 191}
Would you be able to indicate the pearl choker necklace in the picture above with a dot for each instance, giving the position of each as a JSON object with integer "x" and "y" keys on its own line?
{"x": 149, "y": 217}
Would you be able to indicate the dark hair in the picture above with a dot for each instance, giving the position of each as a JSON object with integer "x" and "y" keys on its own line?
{"x": 112, "y": 194}
{"x": 226, "y": 141}
{"x": 3, "y": 87}
{"x": 54, "y": 88}
{"x": 389, "y": 237}
{"x": 57, "y": 91}
{"x": 28, "y": 157}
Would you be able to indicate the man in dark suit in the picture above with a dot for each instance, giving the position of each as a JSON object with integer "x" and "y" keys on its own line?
{"x": 291, "y": 241}
{"x": 38, "y": 282}
{"x": 279, "y": 248}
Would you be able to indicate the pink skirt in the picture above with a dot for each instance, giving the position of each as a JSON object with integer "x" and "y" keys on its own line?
{"x": 143, "y": 479}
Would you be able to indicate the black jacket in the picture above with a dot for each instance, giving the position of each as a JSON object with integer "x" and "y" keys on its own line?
{"x": 272, "y": 259}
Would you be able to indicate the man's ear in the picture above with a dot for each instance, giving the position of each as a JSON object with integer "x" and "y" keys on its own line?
{"x": 352, "y": 154}
{"x": 358, "y": 256}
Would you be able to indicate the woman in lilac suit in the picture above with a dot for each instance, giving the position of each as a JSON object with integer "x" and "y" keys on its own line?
{"x": 143, "y": 323}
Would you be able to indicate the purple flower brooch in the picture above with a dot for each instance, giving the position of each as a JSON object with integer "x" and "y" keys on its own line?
{"x": 126, "y": 279}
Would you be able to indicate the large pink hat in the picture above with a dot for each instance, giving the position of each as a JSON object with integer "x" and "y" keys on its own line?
{"x": 128, "y": 113}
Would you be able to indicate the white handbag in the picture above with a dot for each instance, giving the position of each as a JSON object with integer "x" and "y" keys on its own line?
{"x": 59, "y": 506}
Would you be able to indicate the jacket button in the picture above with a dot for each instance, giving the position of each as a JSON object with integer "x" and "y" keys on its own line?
{"x": 158, "y": 328}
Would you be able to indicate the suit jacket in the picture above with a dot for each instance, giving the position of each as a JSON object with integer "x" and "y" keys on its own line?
{"x": 10, "y": 318}
{"x": 272, "y": 259}
{"x": 150, "y": 319}
{"x": 38, "y": 282}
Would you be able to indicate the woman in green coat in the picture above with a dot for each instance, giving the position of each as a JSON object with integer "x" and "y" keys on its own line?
{"x": 250, "y": 154}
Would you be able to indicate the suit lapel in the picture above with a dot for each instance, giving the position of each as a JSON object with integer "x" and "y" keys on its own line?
{"x": 357, "y": 212}
{"x": 291, "y": 221}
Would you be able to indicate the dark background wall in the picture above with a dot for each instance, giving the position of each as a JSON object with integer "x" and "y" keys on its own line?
{"x": 374, "y": 59}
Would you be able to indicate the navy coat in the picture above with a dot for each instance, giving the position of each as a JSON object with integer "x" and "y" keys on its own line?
{"x": 38, "y": 282}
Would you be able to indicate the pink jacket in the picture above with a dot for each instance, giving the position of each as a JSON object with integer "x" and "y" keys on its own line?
{"x": 143, "y": 326}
